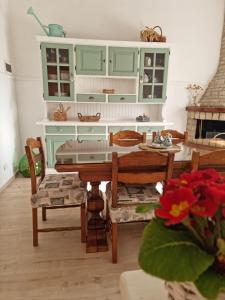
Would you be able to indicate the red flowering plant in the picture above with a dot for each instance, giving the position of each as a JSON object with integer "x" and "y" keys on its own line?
{"x": 186, "y": 239}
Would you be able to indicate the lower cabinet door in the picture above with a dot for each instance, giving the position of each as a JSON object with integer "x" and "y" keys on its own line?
{"x": 53, "y": 142}
{"x": 149, "y": 130}
{"x": 115, "y": 129}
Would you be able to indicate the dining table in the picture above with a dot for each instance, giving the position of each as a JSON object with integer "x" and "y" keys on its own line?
{"x": 93, "y": 161}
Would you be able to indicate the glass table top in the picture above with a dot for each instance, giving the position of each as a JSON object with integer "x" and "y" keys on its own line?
{"x": 100, "y": 152}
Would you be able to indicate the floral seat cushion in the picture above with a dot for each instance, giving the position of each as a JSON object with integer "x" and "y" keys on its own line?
{"x": 126, "y": 214}
{"x": 129, "y": 197}
{"x": 134, "y": 194}
{"x": 59, "y": 190}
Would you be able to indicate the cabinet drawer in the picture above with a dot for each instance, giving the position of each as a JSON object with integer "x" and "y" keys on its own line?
{"x": 86, "y": 137}
{"x": 149, "y": 129}
{"x": 60, "y": 129}
{"x": 115, "y": 129}
{"x": 91, "y": 129}
{"x": 91, "y": 98}
{"x": 92, "y": 157}
{"x": 122, "y": 98}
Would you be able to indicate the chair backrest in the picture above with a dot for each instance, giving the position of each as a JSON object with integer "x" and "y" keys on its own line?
{"x": 208, "y": 160}
{"x": 127, "y": 138}
{"x": 141, "y": 167}
{"x": 35, "y": 153}
{"x": 176, "y": 135}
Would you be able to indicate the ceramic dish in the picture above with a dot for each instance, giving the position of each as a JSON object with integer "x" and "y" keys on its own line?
{"x": 157, "y": 146}
{"x": 149, "y": 147}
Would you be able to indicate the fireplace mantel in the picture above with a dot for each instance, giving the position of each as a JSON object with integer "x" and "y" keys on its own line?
{"x": 205, "y": 109}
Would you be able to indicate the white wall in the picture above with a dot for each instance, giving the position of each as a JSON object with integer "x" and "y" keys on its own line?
{"x": 192, "y": 27}
{"x": 9, "y": 132}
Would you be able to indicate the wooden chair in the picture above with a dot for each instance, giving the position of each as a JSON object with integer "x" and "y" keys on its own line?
{"x": 133, "y": 176}
{"x": 53, "y": 191}
{"x": 126, "y": 138}
{"x": 176, "y": 136}
{"x": 215, "y": 159}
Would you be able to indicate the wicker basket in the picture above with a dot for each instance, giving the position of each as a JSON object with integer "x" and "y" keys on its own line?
{"x": 150, "y": 35}
{"x": 185, "y": 291}
{"x": 89, "y": 118}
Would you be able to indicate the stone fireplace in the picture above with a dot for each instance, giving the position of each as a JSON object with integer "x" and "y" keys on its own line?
{"x": 204, "y": 123}
{"x": 208, "y": 119}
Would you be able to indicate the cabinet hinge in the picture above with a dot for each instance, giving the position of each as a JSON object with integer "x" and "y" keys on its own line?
{"x": 169, "y": 52}
{"x": 43, "y": 96}
{"x": 40, "y": 46}
{"x": 138, "y": 51}
{"x": 74, "y": 49}
{"x": 75, "y": 68}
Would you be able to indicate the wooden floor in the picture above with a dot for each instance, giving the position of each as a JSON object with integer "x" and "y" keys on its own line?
{"x": 59, "y": 269}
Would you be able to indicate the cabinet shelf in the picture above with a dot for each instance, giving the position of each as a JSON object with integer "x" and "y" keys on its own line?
{"x": 154, "y": 83}
{"x": 53, "y": 80}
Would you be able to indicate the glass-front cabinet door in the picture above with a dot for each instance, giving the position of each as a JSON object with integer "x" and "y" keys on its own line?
{"x": 153, "y": 75}
{"x": 58, "y": 71}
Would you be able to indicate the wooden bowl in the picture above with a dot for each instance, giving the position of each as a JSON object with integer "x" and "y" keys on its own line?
{"x": 108, "y": 91}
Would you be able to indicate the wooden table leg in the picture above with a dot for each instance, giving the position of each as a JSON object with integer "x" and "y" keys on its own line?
{"x": 96, "y": 227}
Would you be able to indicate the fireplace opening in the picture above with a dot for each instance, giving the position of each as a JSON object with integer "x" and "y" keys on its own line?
{"x": 207, "y": 129}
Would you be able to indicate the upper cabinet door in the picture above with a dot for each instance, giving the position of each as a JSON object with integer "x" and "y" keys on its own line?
{"x": 153, "y": 75}
{"x": 123, "y": 61}
{"x": 90, "y": 60}
{"x": 58, "y": 71}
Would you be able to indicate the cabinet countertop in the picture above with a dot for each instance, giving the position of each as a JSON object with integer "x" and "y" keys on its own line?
{"x": 70, "y": 40}
{"x": 103, "y": 122}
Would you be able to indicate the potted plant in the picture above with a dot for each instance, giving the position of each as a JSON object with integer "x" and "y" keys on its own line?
{"x": 185, "y": 243}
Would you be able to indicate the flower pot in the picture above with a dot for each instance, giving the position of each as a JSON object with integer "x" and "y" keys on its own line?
{"x": 185, "y": 291}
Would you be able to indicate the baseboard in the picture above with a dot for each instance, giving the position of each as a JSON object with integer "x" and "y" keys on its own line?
{"x": 7, "y": 183}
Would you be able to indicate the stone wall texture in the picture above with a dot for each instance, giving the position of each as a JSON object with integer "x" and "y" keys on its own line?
{"x": 214, "y": 95}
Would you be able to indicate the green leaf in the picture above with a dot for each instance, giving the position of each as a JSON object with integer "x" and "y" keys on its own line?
{"x": 172, "y": 255}
{"x": 145, "y": 208}
{"x": 210, "y": 284}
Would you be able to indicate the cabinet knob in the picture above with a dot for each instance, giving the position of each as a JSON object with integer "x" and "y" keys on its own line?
{"x": 103, "y": 60}
{"x": 91, "y": 156}
{"x": 122, "y": 98}
{"x": 91, "y": 98}
{"x": 110, "y": 61}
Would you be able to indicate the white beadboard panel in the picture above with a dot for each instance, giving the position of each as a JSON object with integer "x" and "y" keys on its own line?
{"x": 96, "y": 85}
{"x": 120, "y": 112}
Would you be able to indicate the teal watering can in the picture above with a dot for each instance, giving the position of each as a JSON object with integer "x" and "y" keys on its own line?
{"x": 51, "y": 29}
